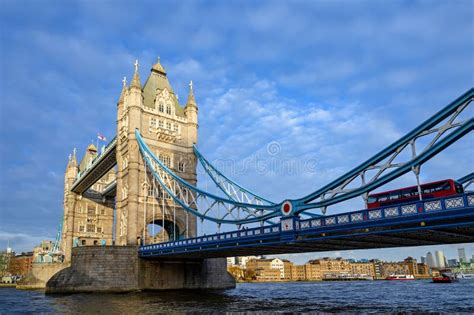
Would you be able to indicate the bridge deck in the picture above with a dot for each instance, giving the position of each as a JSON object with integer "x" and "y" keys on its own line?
{"x": 431, "y": 222}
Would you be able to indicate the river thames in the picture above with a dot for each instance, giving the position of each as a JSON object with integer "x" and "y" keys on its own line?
{"x": 295, "y": 297}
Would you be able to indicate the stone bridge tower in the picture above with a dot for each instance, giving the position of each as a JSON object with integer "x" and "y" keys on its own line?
{"x": 88, "y": 217}
{"x": 170, "y": 130}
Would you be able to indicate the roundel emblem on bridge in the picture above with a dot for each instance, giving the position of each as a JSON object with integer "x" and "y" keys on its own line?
{"x": 286, "y": 208}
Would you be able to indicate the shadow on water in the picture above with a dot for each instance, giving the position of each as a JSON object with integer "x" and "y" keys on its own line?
{"x": 373, "y": 297}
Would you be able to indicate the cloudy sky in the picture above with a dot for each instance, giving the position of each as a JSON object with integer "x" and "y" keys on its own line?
{"x": 328, "y": 83}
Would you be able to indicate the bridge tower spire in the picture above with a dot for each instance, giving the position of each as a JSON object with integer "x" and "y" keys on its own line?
{"x": 191, "y": 112}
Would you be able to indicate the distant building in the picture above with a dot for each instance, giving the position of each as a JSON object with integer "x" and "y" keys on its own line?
{"x": 313, "y": 271}
{"x": 332, "y": 268}
{"x": 418, "y": 270}
{"x": 462, "y": 255}
{"x": 423, "y": 259}
{"x": 394, "y": 268}
{"x": 362, "y": 270}
{"x": 41, "y": 253}
{"x": 239, "y": 261}
{"x": 430, "y": 260}
{"x": 298, "y": 273}
{"x": 231, "y": 261}
{"x": 452, "y": 263}
{"x": 20, "y": 265}
{"x": 440, "y": 259}
{"x": 328, "y": 269}
{"x": 242, "y": 261}
{"x": 5, "y": 258}
{"x": 275, "y": 269}
{"x": 377, "y": 268}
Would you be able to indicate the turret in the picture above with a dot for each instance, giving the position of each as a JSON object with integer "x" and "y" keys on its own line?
{"x": 191, "y": 112}
{"x": 69, "y": 202}
{"x": 135, "y": 100}
{"x": 122, "y": 96}
{"x": 71, "y": 169}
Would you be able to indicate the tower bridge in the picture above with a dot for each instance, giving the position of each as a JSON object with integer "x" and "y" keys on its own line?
{"x": 147, "y": 176}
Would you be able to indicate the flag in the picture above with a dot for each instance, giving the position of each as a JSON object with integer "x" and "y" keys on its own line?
{"x": 101, "y": 137}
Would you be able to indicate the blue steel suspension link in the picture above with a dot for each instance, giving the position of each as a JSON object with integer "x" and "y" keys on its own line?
{"x": 274, "y": 210}
{"x": 426, "y": 125}
{"x": 419, "y": 160}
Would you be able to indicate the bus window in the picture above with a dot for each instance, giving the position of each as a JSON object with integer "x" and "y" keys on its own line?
{"x": 394, "y": 196}
{"x": 426, "y": 190}
{"x": 383, "y": 198}
{"x": 371, "y": 199}
{"x": 443, "y": 187}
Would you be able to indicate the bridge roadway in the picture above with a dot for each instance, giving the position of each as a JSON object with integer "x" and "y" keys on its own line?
{"x": 429, "y": 222}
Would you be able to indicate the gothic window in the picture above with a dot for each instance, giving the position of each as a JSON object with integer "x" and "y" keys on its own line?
{"x": 124, "y": 191}
{"x": 168, "y": 125}
{"x": 160, "y": 192}
{"x": 161, "y": 107}
{"x": 161, "y": 124}
{"x": 81, "y": 228}
{"x": 153, "y": 122}
{"x": 90, "y": 210}
{"x": 175, "y": 128}
{"x": 166, "y": 159}
{"x": 102, "y": 212}
{"x": 168, "y": 109}
{"x": 181, "y": 166}
{"x": 91, "y": 228}
{"x": 150, "y": 190}
{"x": 99, "y": 229}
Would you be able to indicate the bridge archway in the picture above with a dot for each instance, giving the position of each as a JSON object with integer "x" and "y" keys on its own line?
{"x": 159, "y": 230}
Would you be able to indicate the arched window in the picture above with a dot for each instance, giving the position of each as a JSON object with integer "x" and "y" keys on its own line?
{"x": 153, "y": 122}
{"x": 161, "y": 107}
{"x": 168, "y": 109}
{"x": 166, "y": 159}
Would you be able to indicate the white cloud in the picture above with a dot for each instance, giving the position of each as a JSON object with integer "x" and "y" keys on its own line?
{"x": 21, "y": 242}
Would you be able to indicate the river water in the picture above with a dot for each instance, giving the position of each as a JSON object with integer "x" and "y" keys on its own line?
{"x": 295, "y": 297}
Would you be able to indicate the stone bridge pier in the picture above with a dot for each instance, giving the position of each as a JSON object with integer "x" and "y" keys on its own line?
{"x": 119, "y": 269}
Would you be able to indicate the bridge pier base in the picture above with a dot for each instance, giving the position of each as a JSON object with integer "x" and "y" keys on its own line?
{"x": 119, "y": 269}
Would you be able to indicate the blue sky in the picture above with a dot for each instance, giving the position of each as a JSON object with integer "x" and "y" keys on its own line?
{"x": 331, "y": 82}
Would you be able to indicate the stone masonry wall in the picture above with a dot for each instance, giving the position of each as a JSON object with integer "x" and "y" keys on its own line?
{"x": 119, "y": 269}
{"x": 40, "y": 274}
{"x": 98, "y": 269}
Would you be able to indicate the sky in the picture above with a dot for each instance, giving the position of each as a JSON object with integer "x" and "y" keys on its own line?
{"x": 291, "y": 94}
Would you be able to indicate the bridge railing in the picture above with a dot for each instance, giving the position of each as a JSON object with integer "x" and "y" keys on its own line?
{"x": 361, "y": 216}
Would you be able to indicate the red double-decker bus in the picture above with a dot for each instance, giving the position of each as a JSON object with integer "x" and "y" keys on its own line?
{"x": 442, "y": 188}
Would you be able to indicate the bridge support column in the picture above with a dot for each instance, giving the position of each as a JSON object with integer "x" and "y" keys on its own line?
{"x": 119, "y": 269}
